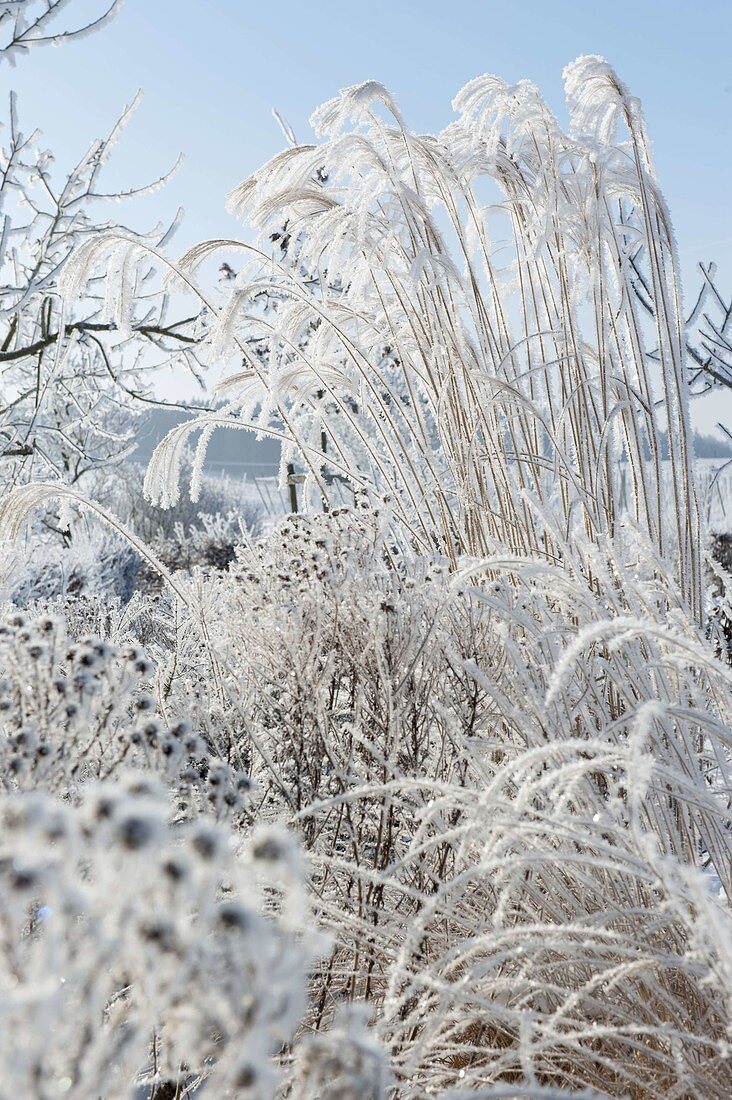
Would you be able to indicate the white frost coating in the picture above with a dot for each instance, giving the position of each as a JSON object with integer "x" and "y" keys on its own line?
{"x": 378, "y": 295}
{"x": 30, "y": 24}
{"x": 354, "y": 105}
{"x": 18, "y": 505}
{"x": 483, "y": 692}
{"x": 287, "y": 131}
{"x": 84, "y": 319}
{"x": 109, "y": 964}
{"x": 595, "y": 97}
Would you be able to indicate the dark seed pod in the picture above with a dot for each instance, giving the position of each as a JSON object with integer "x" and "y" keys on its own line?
{"x": 205, "y": 842}
{"x": 104, "y": 808}
{"x": 160, "y": 933}
{"x": 135, "y": 832}
{"x": 269, "y": 849}
{"x": 24, "y": 878}
{"x": 246, "y": 1076}
{"x": 232, "y": 914}
{"x": 174, "y": 869}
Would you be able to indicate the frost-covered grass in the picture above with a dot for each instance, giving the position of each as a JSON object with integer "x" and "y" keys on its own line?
{"x": 484, "y": 710}
{"x": 713, "y": 477}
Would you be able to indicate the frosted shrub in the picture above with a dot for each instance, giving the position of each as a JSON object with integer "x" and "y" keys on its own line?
{"x": 64, "y": 555}
{"x": 509, "y": 793}
{"x": 344, "y": 1063}
{"x": 331, "y": 664}
{"x": 211, "y": 543}
{"x": 135, "y": 951}
{"x": 201, "y": 532}
{"x": 332, "y": 647}
{"x": 73, "y": 711}
{"x": 66, "y": 708}
{"x": 88, "y": 563}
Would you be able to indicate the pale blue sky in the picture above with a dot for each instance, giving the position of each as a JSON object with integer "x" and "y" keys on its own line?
{"x": 212, "y": 69}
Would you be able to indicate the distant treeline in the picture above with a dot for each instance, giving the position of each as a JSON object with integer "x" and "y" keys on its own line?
{"x": 705, "y": 446}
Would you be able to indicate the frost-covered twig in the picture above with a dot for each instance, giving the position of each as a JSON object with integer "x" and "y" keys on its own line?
{"x": 25, "y": 24}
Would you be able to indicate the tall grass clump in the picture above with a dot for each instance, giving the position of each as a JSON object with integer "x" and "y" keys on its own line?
{"x": 452, "y": 320}
{"x": 484, "y": 695}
